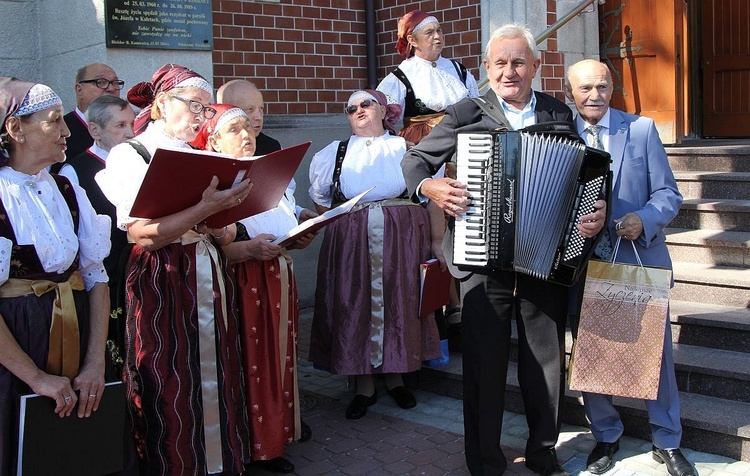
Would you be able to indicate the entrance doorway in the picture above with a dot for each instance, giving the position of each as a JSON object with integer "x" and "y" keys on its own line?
{"x": 726, "y": 68}
{"x": 640, "y": 41}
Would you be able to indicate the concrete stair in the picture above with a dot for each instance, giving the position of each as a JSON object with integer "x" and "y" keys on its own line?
{"x": 709, "y": 243}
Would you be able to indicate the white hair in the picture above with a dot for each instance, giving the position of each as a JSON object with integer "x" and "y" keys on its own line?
{"x": 513, "y": 30}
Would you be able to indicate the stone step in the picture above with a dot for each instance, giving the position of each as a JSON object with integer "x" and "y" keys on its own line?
{"x": 713, "y": 372}
{"x": 697, "y": 282}
{"x": 703, "y": 213}
{"x": 718, "y": 247}
{"x": 710, "y": 325}
{"x": 727, "y": 158}
{"x": 710, "y": 424}
{"x": 714, "y": 185}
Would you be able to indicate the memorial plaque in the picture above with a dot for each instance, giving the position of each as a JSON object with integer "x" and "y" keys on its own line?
{"x": 158, "y": 24}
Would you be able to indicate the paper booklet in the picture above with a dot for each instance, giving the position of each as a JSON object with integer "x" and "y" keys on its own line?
{"x": 434, "y": 288}
{"x": 176, "y": 179}
{"x": 93, "y": 446}
{"x": 314, "y": 224}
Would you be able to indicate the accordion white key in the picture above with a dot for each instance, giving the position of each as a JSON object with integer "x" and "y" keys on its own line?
{"x": 527, "y": 193}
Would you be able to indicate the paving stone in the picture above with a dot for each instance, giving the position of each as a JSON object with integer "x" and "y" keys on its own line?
{"x": 400, "y": 467}
{"x": 451, "y": 463}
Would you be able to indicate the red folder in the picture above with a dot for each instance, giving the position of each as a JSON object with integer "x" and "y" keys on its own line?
{"x": 176, "y": 179}
{"x": 435, "y": 287}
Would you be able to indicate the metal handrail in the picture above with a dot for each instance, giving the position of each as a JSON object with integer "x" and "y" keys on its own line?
{"x": 554, "y": 27}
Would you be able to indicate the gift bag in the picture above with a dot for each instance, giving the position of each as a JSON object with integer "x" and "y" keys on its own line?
{"x": 621, "y": 329}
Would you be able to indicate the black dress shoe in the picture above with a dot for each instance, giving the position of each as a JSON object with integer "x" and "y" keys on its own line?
{"x": 275, "y": 465}
{"x": 551, "y": 470}
{"x": 677, "y": 464}
{"x": 403, "y": 397}
{"x": 358, "y": 408}
{"x": 600, "y": 459}
{"x": 305, "y": 431}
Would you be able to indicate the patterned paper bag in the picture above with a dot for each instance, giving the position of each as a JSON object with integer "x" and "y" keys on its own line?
{"x": 621, "y": 330}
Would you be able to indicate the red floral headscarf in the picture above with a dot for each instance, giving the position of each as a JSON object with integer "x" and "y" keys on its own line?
{"x": 406, "y": 26}
{"x": 167, "y": 77}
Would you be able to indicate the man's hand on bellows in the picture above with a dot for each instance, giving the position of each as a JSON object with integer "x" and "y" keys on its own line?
{"x": 589, "y": 225}
{"x": 449, "y": 194}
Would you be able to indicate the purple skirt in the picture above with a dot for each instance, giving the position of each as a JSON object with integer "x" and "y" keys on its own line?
{"x": 342, "y": 321}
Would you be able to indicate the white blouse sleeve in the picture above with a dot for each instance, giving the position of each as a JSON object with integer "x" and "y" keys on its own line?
{"x": 121, "y": 180}
{"x": 321, "y": 174}
{"x": 394, "y": 90}
{"x": 93, "y": 240}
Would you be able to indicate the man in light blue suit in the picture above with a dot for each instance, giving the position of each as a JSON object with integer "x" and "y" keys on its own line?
{"x": 644, "y": 200}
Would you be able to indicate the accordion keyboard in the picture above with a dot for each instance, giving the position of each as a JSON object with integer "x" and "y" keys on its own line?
{"x": 470, "y": 244}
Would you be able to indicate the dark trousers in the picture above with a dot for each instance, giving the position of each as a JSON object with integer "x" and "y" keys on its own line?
{"x": 540, "y": 309}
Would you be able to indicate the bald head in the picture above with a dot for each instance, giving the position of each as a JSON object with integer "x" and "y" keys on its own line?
{"x": 246, "y": 96}
{"x": 589, "y": 85}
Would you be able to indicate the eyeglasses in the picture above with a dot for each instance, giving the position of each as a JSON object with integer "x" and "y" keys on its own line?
{"x": 364, "y": 104}
{"x": 197, "y": 108}
{"x": 102, "y": 83}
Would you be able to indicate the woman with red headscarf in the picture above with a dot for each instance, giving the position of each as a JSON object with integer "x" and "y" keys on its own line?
{"x": 182, "y": 364}
{"x": 425, "y": 83}
{"x": 269, "y": 311}
{"x": 367, "y": 298}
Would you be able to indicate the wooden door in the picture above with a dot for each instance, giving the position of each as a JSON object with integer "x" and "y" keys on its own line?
{"x": 726, "y": 68}
{"x": 639, "y": 41}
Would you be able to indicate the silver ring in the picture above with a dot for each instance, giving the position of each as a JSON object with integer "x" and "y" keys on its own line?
{"x": 68, "y": 398}
{"x": 239, "y": 201}
{"x": 618, "y": 226}
{"x": 92, "y": 396}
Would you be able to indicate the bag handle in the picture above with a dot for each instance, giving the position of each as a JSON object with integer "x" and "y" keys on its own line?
{"x": 617, "y": 246}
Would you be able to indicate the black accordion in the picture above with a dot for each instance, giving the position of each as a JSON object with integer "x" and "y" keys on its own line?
{"x": 528, "y": 192}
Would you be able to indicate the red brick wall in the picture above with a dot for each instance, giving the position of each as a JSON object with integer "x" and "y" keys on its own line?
{"x": 308, "y": 55}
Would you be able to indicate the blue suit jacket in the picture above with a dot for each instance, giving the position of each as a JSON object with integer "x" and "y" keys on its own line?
{"x": 642, "y": 183}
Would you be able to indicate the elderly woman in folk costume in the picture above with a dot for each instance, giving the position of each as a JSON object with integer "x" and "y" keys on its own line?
{"x": 182, "y": 363}
{"x": 53, "y": 286}
{"x": 425, "y": 83}
{"x": 269, "y": 310}
{"x": 367, "y": 300}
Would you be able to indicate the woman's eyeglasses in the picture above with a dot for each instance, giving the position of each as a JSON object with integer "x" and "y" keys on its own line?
{"x": 197, "y": 108}
{"x": 349, "y": 110}
{"x": 102, "y": 83}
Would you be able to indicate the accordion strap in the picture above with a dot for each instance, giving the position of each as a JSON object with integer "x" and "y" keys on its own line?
{"x": 492, "y": 112}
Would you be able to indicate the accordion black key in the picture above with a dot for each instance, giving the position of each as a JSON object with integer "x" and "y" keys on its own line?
{"x": 528, "y": 192}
